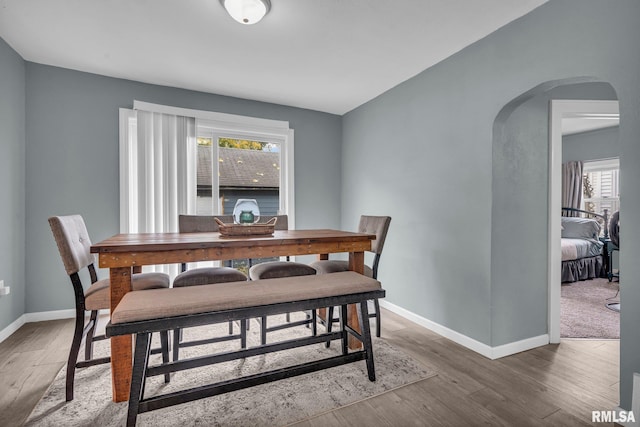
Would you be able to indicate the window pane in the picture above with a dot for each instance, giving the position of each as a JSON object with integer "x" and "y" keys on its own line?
{"x": 248, "y": 170}
{"x": 601, "y": 189}
{"x": 204, "y": 204}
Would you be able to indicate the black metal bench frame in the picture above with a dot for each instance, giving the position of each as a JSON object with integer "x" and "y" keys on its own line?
{"x": 143, "y": 330}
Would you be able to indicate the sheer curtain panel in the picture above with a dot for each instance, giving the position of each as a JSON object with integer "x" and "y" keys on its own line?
{"x": 158, "y": 164}
{"x": 572, "y": 185}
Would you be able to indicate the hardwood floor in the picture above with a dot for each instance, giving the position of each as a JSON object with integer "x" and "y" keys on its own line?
{"x": 551, "y": 385}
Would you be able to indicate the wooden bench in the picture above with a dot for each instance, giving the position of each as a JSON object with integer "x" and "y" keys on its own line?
{"x": 143, "y": 313}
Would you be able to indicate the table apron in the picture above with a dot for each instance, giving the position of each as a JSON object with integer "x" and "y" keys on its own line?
{"x": 135, "y": 258}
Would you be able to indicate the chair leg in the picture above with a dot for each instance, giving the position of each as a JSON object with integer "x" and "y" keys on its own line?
{"x": 263, "y": 330}
{"x": 230, "y": 327}
{"x": 243, "y": 333}
{"x": 343, "y": 329}
{"x": 176, "y": 344}
{"x": 164, "y": 343}
{"x": 314, "y": 322}
{"x": 378, "y": 325}
{"x": 329, "y": 320}
{"x": 73, "y": 353}
{"x": 88, "y": 342}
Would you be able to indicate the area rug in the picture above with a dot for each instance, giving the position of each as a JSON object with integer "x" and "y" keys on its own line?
{"x": 273, "y": 404}
{"x": 583, "y": 311}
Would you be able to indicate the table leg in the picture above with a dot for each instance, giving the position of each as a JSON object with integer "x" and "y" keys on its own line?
{"x": 121, "y": 353}
{"x": 356, "y": 263}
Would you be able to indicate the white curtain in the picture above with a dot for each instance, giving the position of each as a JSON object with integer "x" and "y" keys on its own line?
{"x": 158, "y": 173}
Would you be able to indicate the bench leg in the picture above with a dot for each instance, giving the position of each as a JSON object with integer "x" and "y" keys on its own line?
{"x": 138, "y": 376}
{"x": 363, "y": 319}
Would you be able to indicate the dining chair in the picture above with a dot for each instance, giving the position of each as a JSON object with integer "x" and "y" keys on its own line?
{"x": 72, "y": 239}
{"x": 378, "y": 225}
{"x": 206, "y": 276}
{"x": 277, "y": 269}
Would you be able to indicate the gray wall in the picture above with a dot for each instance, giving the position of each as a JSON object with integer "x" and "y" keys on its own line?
{"x": 12, "y": 183}
{"x": 72, "y": 161}
{"x": 594, "y": 145}
{"x": 423, "y": 153}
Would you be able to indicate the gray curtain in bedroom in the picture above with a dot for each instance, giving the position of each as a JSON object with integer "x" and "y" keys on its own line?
{"x": 572, "y": 185}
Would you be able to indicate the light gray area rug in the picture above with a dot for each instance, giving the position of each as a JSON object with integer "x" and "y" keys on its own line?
{"x": 273, "y": 404}
{"x": 583, "y": 311}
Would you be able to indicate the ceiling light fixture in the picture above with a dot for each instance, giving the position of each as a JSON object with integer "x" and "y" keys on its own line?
{"x": 247, "y": 12}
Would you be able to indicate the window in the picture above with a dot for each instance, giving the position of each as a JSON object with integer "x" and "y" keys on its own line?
{"x": 164, "y": 172}
{"x": 601, "y": 186}
{"x": 232, "y": 168}
{"x": 235, "y": 157}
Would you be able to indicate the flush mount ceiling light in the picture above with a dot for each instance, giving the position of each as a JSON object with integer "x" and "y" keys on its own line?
{"x": 247, "y": 11}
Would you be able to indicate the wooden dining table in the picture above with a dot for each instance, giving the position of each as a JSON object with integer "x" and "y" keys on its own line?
{"x": 124, "y": 253}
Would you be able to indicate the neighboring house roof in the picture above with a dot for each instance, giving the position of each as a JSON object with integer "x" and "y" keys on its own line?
{"x": 240, "y": 168}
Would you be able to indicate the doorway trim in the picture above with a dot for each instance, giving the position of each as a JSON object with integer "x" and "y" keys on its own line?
{"x": 558, "y": 109}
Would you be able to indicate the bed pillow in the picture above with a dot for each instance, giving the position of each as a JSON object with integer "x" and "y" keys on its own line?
{"x": 580, "y": 228}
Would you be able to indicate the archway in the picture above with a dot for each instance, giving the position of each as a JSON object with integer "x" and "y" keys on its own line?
{"x": 526, "y": 206}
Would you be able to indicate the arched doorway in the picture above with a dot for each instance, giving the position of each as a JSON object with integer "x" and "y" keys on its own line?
{"x": 526, "y": 206}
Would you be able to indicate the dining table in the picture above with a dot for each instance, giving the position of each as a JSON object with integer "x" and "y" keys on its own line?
{"x": 125, "y": 253}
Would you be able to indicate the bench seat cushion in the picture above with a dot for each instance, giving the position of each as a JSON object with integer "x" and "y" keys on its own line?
{"x": 164, "y": 303}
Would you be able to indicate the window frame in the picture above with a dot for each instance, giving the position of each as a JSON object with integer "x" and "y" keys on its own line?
{"x": 603, "y": 165}
{"x": 243, "y": 127}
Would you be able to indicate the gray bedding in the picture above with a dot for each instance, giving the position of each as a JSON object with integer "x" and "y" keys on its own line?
{"x": 580, "y": 248}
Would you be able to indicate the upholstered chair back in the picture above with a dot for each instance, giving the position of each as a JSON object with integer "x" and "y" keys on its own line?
{"x": 72, "y": 238}
{"x": 201, "y": 223}
{"x": 378, "y": 225}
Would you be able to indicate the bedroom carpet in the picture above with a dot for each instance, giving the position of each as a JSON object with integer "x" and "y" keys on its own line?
{"x": 583, "y": 313}
{"x": 277, "y": 403}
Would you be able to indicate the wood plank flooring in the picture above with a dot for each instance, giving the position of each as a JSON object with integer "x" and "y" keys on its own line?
{"x": 552, "y": 385}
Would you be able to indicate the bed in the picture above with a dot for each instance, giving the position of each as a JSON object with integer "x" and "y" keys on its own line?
{"x": 582, "y": 250}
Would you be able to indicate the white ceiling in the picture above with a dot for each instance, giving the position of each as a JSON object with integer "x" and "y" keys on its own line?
{"x": 326, "y": 55}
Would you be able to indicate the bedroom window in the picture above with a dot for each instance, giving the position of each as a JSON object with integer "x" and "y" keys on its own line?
{"x": 601, "y": 186}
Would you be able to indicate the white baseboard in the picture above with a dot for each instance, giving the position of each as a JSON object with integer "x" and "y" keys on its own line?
{"x": 481, "y": 348}
{"x": 41, "y": 316}
{"x": 470, "y": 343}
{"x": 6, "y": 332}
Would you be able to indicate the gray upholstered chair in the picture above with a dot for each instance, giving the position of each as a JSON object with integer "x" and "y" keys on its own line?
{"x": 206, "y": 276}
{"x": 276, "y": 269}
{"x": 72, "y": 238}
{"x": 378, "y": 225}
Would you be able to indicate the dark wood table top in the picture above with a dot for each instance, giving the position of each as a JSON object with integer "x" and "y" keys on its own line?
{"x": 151, "y": 242}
